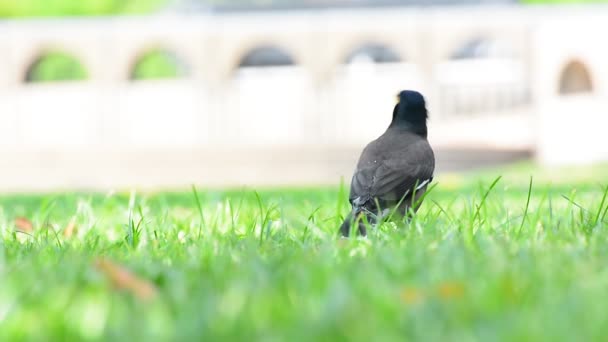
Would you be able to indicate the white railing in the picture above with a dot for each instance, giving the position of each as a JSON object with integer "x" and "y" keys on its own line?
{"x": 257, "y": 107}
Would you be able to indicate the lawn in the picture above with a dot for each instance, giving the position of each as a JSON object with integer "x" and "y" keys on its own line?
{"x": 478, "y": 262}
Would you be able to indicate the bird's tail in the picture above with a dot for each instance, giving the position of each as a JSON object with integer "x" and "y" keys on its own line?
{"x": 357, "y": 220}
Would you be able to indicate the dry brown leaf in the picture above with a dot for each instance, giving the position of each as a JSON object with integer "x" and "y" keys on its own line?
{"x": 412, "y": 295}
{"x": 71, "y": 229}
{"x": 24, "y": 225}
{"x": 124, "y": 279}
{"x": 451, "y": 290}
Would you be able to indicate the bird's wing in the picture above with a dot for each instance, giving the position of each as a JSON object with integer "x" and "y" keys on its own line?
{"x": 391, "y": 179}
{"x": 395, "y": 180}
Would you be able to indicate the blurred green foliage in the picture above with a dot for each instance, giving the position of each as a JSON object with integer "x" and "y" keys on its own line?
{"x": 50, "y": 8}
{"x": 56, "y": 66}
{"x": 557, "y": 2}
{"x": 158, "y": 64}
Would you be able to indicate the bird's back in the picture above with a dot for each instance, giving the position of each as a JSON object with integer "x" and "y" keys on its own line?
{"x": 391, "y": 165}
{"x": 396, "y": 144}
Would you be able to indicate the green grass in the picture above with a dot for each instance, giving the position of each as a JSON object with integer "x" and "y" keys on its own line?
{"x": 55, "y": 8}
{"x": 474, "y": 264}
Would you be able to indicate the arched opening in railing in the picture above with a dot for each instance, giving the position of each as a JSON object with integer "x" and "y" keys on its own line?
{"x": 268, "y": 98}
{"x": 62, "y": 112}
{"x": 159, "y": 64}
{"x": 266, "y": 56}
{"x": 161, "y": 107}
{"x": 55, "y": 66}
{"x": 364, "y": 90}
{"x": 480, "y": 47}
{"x": 482, "y": 76}
{"x": 373, "y": 52}
{"x": 575, "y": 78}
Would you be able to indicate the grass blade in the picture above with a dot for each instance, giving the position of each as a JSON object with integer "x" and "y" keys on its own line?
{"x": 485, "y": 196}
{"x": 523, "y": 219}
{"x": 599, "y": 210}
{"x": 199, "y": 207}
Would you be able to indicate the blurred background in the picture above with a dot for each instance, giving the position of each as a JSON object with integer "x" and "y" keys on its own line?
{"x": 101, "y": 94}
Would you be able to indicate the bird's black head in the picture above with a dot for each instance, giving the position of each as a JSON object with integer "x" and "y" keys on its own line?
{"x": 410, "y": 112}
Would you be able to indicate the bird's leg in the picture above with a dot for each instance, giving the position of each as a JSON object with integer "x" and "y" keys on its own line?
{"x": 361, "y": 224}
{"x": 355, "y": 218}
{"x": 379, "y": 211}
{"x": 347, "y": 224}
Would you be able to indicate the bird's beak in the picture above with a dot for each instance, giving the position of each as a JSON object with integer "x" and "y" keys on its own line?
{"x": 397, "y": 99}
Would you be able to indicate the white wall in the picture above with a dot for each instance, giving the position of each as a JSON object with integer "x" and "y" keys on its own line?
{"x": 571, "y": 128}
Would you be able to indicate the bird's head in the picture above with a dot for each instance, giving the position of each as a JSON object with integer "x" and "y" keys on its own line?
{"x": 410, "y": 112}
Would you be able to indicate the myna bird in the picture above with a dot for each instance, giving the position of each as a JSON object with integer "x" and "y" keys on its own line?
{"x": 394, "y": 170}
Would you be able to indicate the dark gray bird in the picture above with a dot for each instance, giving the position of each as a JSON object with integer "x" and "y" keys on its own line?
{"x": 394, "y": 170}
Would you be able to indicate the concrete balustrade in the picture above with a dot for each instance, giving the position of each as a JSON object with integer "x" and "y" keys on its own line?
{"x": 492, "y": 77}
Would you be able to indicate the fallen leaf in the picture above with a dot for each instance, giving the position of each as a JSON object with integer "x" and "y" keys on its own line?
{"x": 451, "y": 290}
{"x": 124, "y": 279}
{"x": 70, "y": 229}
{"x": 412, "y": 295}
{"x": 24, "y": 225}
